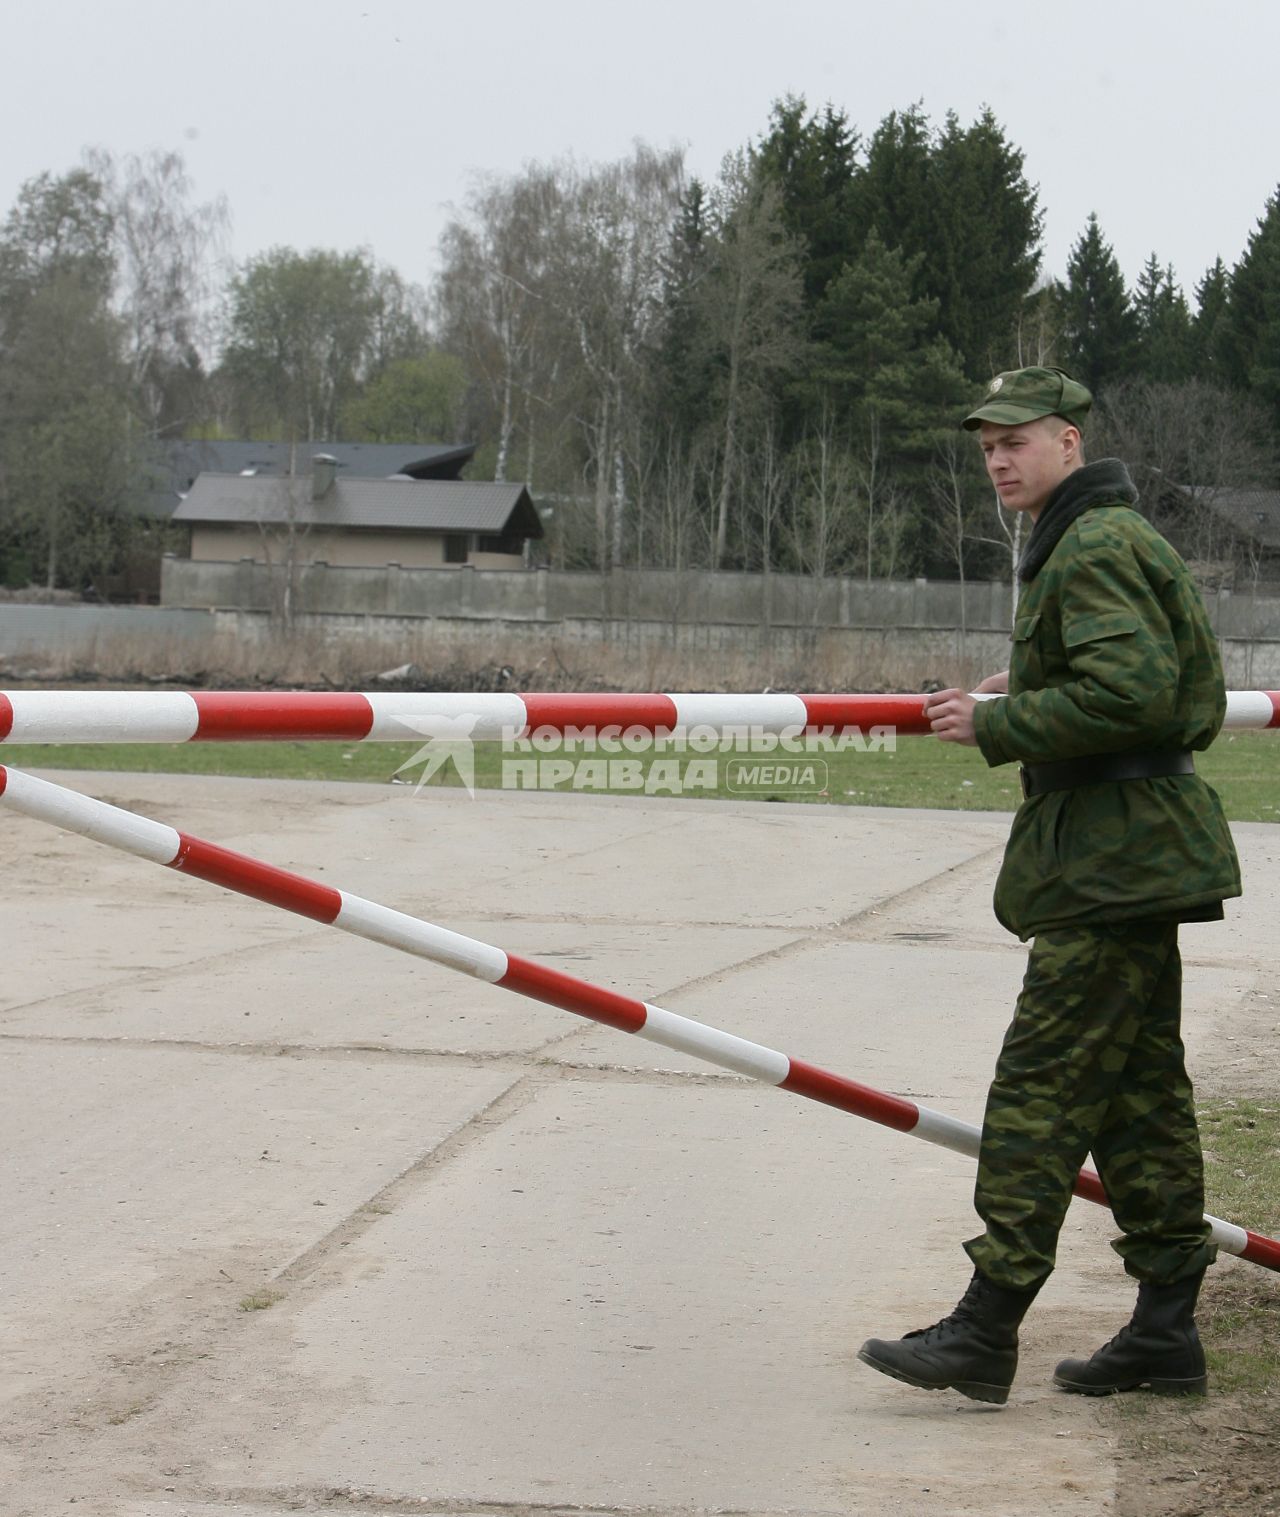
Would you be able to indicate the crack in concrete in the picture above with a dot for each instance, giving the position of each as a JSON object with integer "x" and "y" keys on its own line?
{"x": 353, "y": 1499}
{"x": 519, "y": 1061}
{"x": 161, "y": 973}
{"x": 551, "y": 1069}
{"x": 356, "y": 1223}
{"x": 840, "y": 931}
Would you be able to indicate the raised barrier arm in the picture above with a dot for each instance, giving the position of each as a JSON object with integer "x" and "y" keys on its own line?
{"x": 222, "y": 716}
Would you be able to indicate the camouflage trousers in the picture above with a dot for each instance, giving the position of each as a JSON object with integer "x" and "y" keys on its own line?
{"x": 1093, "y": 1061}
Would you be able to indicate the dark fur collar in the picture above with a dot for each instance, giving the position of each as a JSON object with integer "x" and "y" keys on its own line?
{"x": 1106, "y": 482}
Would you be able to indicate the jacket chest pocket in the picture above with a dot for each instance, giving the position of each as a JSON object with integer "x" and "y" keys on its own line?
{"x": 1026, "y": 662}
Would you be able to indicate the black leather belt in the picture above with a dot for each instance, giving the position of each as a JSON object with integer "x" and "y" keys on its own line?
{"x": 1096, "y": 768}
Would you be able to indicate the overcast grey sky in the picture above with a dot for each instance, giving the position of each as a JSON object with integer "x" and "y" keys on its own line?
{"x": 344, "y": 123}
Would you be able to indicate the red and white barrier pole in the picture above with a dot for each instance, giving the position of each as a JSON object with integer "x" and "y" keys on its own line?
{"x": 161, "y": 844}
{"x": 175, "y": 716}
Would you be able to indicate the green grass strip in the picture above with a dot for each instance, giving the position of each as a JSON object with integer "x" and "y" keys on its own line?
{"x": 1244, "y": 768}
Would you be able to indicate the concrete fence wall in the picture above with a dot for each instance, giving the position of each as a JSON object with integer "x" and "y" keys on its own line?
{"x": 657, "y": 596}
{"x": 862, "y": 630}
{"x": 66, "y": 631}
{"x": 553, "y": 595}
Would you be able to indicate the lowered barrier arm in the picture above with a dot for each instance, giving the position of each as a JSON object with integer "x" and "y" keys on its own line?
{"x": 162, "y": 844}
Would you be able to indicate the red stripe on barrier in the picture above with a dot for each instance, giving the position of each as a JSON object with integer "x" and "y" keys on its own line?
{"x": 4, "y": 778}
{"x": 251, "y": 877}
{"x": 905, "y": 712}
{"x": 1090, "y": 1188}
{"x": 571, "y": 994}
{"x": 237, "y": 715}
{"x": 6, "y": 717}
{"x": 862, "y": 1100}
{"x": 1260, "y": 1250}
{"x": 648, "y": 712}
{"x": 1274, "y": 697}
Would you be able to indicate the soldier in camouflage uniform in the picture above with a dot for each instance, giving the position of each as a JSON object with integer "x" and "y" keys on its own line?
{"x": 1114, "y": 681}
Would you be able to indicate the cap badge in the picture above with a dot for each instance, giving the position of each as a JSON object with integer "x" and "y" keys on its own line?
{"x": 996, "y": 383}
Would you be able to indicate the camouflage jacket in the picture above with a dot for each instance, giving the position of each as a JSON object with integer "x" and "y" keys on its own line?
{"x": 1112, "y": 651}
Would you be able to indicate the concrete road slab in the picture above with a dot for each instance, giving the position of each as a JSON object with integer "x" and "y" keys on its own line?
{"x": 135, "y": 1178}
{"x": 554, "y": 1268}
{"x": 70, "y": 919}
{"x": 634, "y": 1300}
{"x": 545, "y": 854}
{"x": 741, "y": 863}
{"x": 320, "y": 988}
{"x": 904, "y": 1017}
{"x": 173, "y": 1506}
{"x": 60, "y": 946}
{"x": 954, "y": 908}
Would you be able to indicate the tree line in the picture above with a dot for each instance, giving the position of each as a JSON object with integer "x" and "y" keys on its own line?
{"x": 762, "y": 371}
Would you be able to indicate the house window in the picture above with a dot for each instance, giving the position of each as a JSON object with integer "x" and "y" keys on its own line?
{"x": 455, "y": 547}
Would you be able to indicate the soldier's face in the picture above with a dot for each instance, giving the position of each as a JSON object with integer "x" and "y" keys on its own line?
{"x": 1027, "y": 463}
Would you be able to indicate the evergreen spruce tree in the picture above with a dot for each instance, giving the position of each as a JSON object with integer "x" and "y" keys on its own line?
{"x": 1100, "y": 330}
{"x": 893, "y": 193}
{"x": 984, "y": 249}
{"x": 960, "y": 200}
{"x": 886, "y": 369}
{"x": 1208, "y": 324}
{"x": 869, "y": 325}
{"x": 1251, "y": 335}
{"x": 813, "y": 163}
{"x": 1165, "y": 348}
{"x": 678, "y": 380}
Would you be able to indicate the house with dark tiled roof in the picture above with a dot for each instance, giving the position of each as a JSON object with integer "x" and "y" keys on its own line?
{"x": 410, "y": 519}
{"x": 174, "y": 466}
{"x": 176, "y": 463}
{"x": 1228, "y": 534}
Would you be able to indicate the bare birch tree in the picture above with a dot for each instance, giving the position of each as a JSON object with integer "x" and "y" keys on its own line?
{"x": 749, "y": 311}
{"x": 169, "y": 261}
{"x": 959, "y": 492}
{"x": 1039, "y": 330}
{"x": 822, "y": 523}
{"x": 880, "y": 514}
{"x": 607, "y": 291}
{"x": 491, "y": 297}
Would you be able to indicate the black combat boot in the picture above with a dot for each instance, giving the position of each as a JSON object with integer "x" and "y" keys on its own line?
{"x": 1158, "y": 1350}
{"x": 974, "y": 1350}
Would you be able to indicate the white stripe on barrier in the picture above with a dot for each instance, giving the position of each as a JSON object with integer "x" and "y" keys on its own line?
{"x": 770, "y": 712}
{"x": 723, "y": 1048}
{"x": 948, "y": 1132}
{"x": 1227, "y": 1235}
{"x": 103, "y": 716}
{"x": 482, "y": 718}
{"x": 1248, "y": 708}
{"x": 139, "y": 835}
{"x": 367, "y": 919}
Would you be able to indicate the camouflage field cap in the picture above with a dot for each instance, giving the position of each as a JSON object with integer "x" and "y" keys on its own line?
{"x": 1025, "y": 394}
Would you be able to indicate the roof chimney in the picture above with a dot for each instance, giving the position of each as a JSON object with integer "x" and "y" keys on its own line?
{"x": 324, "y": 470}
